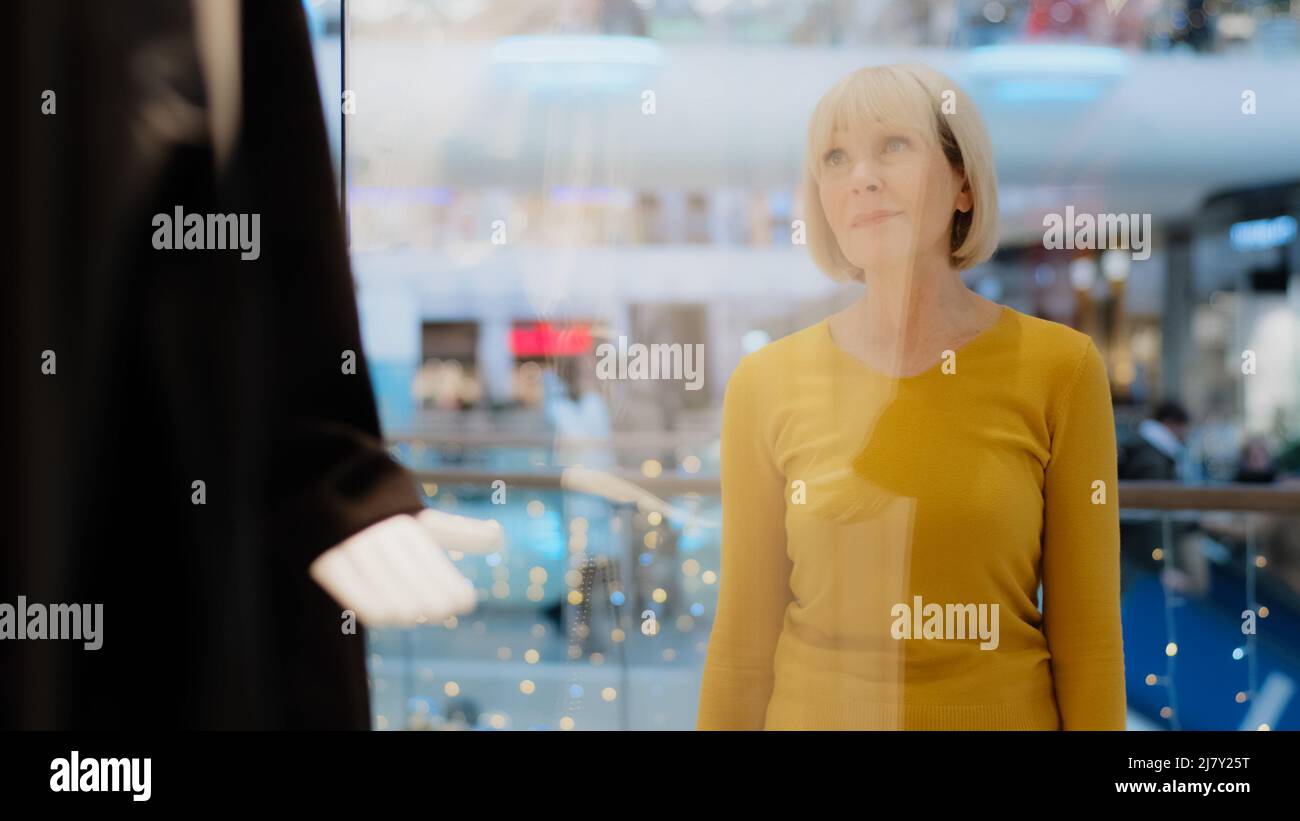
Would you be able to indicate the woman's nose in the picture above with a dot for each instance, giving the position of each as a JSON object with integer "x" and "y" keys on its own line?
{"x": 864, "y": 178}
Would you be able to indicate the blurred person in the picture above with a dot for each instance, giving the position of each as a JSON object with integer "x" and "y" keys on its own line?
{"x": 1255, "y": 464}
{"x": 1156, "y": 451}
{"x": 901, "y": 478}
{"x": 577, "y": 409}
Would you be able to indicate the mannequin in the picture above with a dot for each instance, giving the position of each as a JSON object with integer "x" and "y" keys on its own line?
{"x": 393, "y": 572}
{"x": 137, "y": 373}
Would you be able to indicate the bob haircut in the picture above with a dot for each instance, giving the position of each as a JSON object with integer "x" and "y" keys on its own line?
{"x": 915, "y": 95}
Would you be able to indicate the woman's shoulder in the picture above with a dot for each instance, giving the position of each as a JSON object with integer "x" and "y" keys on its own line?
{"x": 789, "y": 353}
{"x": 1053, "y": 349}
{"x": 1056, "y": 363}
{"x": 775, "y": 369}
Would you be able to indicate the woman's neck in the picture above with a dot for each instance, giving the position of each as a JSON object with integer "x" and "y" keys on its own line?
{"x": 913, "y": 315}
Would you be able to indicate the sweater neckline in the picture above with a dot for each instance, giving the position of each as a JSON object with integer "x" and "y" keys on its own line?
{"x": 980, "y": 338}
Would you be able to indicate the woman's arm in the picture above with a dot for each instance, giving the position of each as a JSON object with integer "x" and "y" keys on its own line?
{"x": 1081, "y": 614}
{"x": 755, "y": 575}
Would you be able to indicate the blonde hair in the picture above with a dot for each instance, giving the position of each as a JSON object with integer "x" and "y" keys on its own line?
{"x": 915, "y": 94}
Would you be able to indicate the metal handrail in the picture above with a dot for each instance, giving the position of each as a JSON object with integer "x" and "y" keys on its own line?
{"x": 1254, "y": 498}
{"x": 1134, "y": 495}
{"x": 618, "y": 441}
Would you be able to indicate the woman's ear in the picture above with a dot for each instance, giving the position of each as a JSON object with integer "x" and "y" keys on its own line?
{"x": 965, "y": 202}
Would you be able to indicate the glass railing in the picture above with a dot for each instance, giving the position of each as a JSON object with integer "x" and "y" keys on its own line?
{"x": 598, "y": 613}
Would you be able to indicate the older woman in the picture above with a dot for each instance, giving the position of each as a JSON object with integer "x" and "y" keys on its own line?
{"x": 901, "y": 479}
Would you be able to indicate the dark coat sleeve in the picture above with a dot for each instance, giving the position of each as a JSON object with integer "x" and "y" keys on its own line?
{"x": 330, "y": 474}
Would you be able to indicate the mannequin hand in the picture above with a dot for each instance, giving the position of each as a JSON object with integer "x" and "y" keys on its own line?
{"x": 395, "y": 573}
{"x": 462, "y": 533}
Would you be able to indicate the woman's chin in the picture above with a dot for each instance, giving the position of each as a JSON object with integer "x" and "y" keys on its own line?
{"x": 880, "y": 261}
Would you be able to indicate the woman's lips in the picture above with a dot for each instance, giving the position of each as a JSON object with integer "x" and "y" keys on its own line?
{"x": 872, "y": 218}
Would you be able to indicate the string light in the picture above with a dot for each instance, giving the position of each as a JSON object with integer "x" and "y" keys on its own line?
{"x": 1170, "y": 711}
{"x": 1252, "y": 604}
{"x": 1253, "y": 563}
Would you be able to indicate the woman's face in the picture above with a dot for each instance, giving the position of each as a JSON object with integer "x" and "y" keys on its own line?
{"x": 889, "y": 194}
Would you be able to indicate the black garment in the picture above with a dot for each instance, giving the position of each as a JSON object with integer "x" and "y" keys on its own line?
{"x": 176, "y": 366}
{"x": 1143, "y": 460}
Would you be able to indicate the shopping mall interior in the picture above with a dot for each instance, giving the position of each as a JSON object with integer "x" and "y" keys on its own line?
{"x": 525, "y": 181}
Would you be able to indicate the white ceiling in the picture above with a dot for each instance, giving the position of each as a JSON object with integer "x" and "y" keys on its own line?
{"x": 1163, "y": 132}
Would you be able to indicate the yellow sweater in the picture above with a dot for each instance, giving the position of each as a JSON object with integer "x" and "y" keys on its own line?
{"x": 847, "y": 494}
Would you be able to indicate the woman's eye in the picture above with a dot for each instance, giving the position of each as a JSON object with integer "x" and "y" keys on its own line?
{"x": 832, "y": 155}
{"x": 896, "y": 143}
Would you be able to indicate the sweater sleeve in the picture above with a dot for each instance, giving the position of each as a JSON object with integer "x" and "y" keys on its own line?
{"x": 754, "y": 585}
{"x": 1081, "y": 610}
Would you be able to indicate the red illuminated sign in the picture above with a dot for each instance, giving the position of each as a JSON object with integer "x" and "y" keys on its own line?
{"x": 545, "y": 339}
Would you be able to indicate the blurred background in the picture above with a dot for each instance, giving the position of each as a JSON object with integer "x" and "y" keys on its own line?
{"x": 527, "y": 180}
